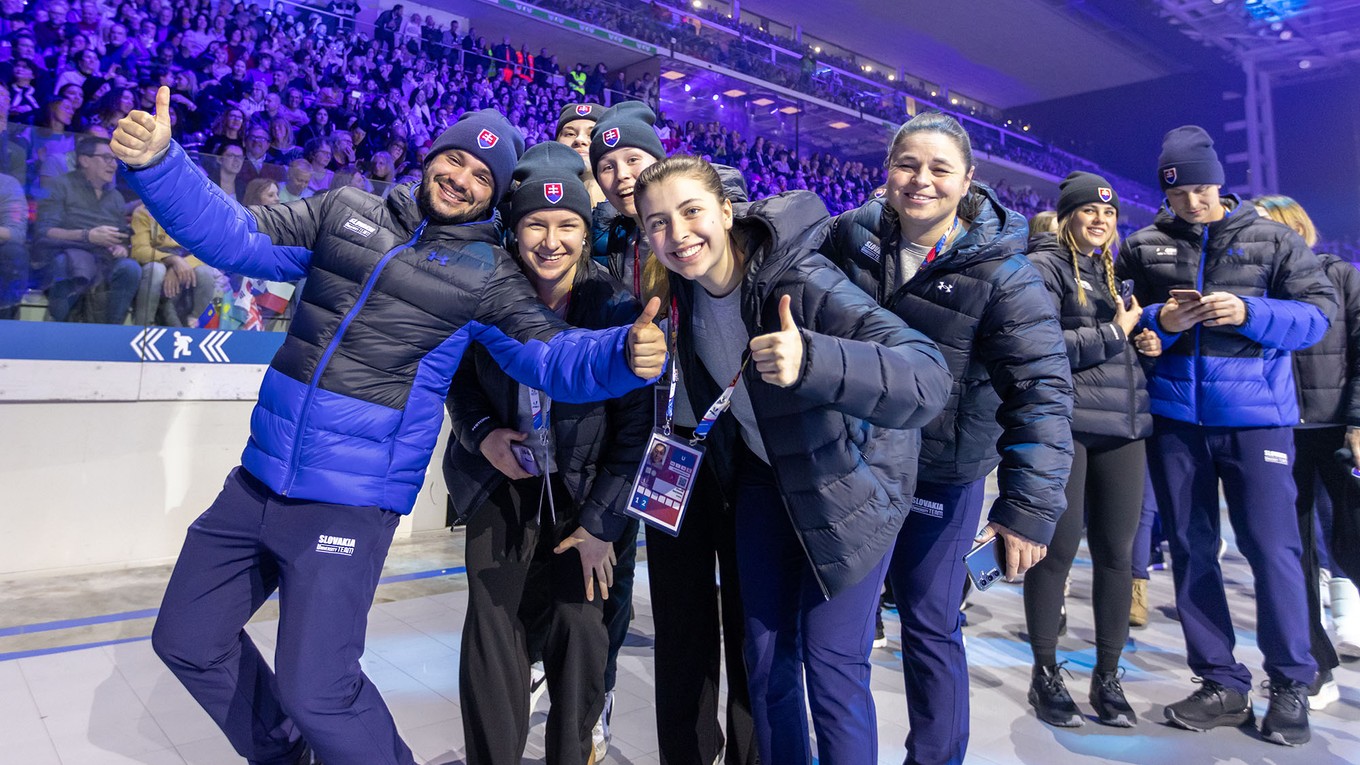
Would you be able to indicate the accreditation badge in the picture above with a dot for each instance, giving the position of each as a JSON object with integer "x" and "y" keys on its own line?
{"x": 664, "y": 482}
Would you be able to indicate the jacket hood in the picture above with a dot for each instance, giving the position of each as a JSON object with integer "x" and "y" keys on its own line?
{"x": 1046, "y": 242}
{"x": 785, "y": 229}
{"x": 401, "y": 202}
{"x": 996, "y": 233}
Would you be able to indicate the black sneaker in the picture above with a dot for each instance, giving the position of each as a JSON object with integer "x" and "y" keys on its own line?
{"x": 1050, "y": 699}
{"x": 1286, "y": 720}
{"x": 1211, "y": 706}
{"x": 880, "y": 637}
{"x": 1107, "y": 698}
{"x": 1323, "y": 692}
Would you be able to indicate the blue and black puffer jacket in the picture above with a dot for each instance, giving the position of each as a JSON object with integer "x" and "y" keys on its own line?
{"x": 1237, "y": 377}
{"x": 842, "y": 440}
{"x": 987, "y": 308}
{"x": 1328, "y": 372}
{"x": 352, "y": 403}
{"x": 1107, "y": 372}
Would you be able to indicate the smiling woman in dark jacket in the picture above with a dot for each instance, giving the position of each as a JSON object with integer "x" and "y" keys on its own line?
{"x": 826, "y": 391}
{"x": 1111, "y": 417}
{"x": 941, "y": 252}
{"x": 521, "y": 526}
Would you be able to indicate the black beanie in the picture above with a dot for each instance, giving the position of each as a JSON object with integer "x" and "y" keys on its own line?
{"x": 627, "y": 125}
{"x": 488, "y": 136}
{"x": 1188, "y": 159}
{"x": 1080, "y": 188}
{"x": 573, "y": 112}
{"x": 549, "y": 178}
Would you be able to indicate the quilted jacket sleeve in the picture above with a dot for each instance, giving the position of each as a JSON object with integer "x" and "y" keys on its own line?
{"x": 270, "y": 243}
{"x": 537, "y": 348}
{"x": 860, "y": 358}
{"x": 1300, "y": 304}
{"x": 1086, "y": 346}
{"x": 1020, "y": 343}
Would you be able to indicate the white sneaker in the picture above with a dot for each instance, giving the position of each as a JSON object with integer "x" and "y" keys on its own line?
{"x": 600, "y": 736}
{"x": 1346, "y": 617}
{"x": 538, "y": 684}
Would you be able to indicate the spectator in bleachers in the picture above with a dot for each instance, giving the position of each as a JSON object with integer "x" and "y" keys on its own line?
{"x": 318, "y": 155}
{"x": 257, "y": 164}
{"x": 299, "y": 183}
{"x": 282, "y": 148}
{"x": 14, "y": 263}
{"x": 84, "y": 233}
{"x": 260, "y": 191}
{"x": 228, "y": 166}
{"x": 319, "y": 126}
{"x": 14, "y": 144}
{"x": 228, "y": 130}
{"x": 175, "y": 286}
{"x": 24, "y": 101}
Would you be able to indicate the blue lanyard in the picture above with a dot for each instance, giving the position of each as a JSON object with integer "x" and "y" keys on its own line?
{"x": 930, "y": 256}
{"x": 718, "y": 407}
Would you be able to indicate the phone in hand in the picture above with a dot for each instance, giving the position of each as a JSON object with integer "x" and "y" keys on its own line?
{"x": 525, "y": 457}
{"x": 1187, "y": 296}
{"x": 1126, "y": 293}
{"x": 986, "y": 563}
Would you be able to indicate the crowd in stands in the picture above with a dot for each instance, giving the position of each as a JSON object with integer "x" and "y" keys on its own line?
{"x": 307, "y": 101}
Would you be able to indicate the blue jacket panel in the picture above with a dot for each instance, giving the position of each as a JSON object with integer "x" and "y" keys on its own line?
{"x": 1229, "y": 376}
{"x": 352, "y": 404}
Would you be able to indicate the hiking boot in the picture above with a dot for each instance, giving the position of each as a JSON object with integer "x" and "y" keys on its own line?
{"x": 1050, "y": 699}
{"x": 1211, "y": 706}
{"x": 1286, "y": 720}
{"x": 1107, "y": 698}
{"x": 1138, "y": 610}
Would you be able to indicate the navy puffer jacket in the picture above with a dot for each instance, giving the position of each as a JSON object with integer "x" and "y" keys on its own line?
{"x": 1111, "y": 390}
{"x": 987, "y": 308}
{"x": 597, "y": 446}
{"x": 1238, "y": 377}
{"x": 352, "y": 403}
{"x": 1328, "y": 373}
{"x": 838, "y": 439}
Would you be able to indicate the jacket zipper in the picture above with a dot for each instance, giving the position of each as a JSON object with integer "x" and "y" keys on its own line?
{"x": 1199, "y": 285}
{"x": 330, "y": 351}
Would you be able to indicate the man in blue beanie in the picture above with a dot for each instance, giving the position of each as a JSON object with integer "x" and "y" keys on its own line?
{"x": 1231, "y": 294}
{"x": 347, "y": 419}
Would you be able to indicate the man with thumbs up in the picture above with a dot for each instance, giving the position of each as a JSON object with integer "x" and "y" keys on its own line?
{"x": 348, "y": 415}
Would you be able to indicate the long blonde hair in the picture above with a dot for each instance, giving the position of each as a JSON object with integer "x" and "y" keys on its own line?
{"x": 1068, "y": 240}
{"x": 1282, "y": 209}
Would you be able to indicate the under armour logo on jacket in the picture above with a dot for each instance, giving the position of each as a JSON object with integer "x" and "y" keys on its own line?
{"x": 944, "y": 287}
{"x": 443, "y": 260}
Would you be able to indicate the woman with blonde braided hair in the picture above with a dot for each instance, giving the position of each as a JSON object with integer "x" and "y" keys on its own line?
{"x": 1110, "y": 419}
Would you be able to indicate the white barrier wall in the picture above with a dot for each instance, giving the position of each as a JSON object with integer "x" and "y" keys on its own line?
{"x": 109, "y": 448}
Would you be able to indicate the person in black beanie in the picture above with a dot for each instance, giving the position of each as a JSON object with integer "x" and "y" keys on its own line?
{"x": 1110, "y": 419}
{"x": 538, "y": 482}
{"x": 574, "y": 127}
{"x": 495, "y": 146}
{"x": 1230, "y": 294}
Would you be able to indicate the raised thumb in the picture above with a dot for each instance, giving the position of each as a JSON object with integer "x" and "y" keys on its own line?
{"x": 163, "y": 106}
{"x": 786, "y": 323}
{"x": 649, "y": 312}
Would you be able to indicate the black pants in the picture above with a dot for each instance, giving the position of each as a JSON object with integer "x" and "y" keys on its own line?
{"x": 1105, "y": 491}
{"x": 1314, "y": 461}
{"x": 514, "y": 576}
{"x": 697, "y": 624}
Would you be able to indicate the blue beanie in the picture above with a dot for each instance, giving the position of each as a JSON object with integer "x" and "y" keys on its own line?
{"x": 549, "y": 178}
{"x": 1188, "y": 159}
{"x": 488, "y": 136}
{"x": 627, "y": 125}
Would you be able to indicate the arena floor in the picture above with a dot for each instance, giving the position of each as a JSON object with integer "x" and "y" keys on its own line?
{"x": 79, "y": 684}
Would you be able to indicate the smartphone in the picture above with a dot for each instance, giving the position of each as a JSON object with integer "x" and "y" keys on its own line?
{"x": 1187, "y": 296}
{"x": 1126, "y": 293}
{"x": 986, "y": 563}
{"x": 525, "y": 456}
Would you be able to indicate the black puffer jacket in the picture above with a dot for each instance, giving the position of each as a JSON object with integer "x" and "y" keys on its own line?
{"x": 986, "y": 307}
{"x": 1328, "y": 373}
{"x": 597, "y": 446}
{"x": 839, "y": 438}
{"x": 1111, "y": 390}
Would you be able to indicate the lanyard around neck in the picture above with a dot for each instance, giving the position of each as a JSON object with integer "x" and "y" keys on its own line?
{"x": 724, "y": 401}
{"x": 939, "y": 246}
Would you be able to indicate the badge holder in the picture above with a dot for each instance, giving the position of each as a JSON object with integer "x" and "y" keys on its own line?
{"x": 540, "y": 421}
{"x": 665, "y": 480}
